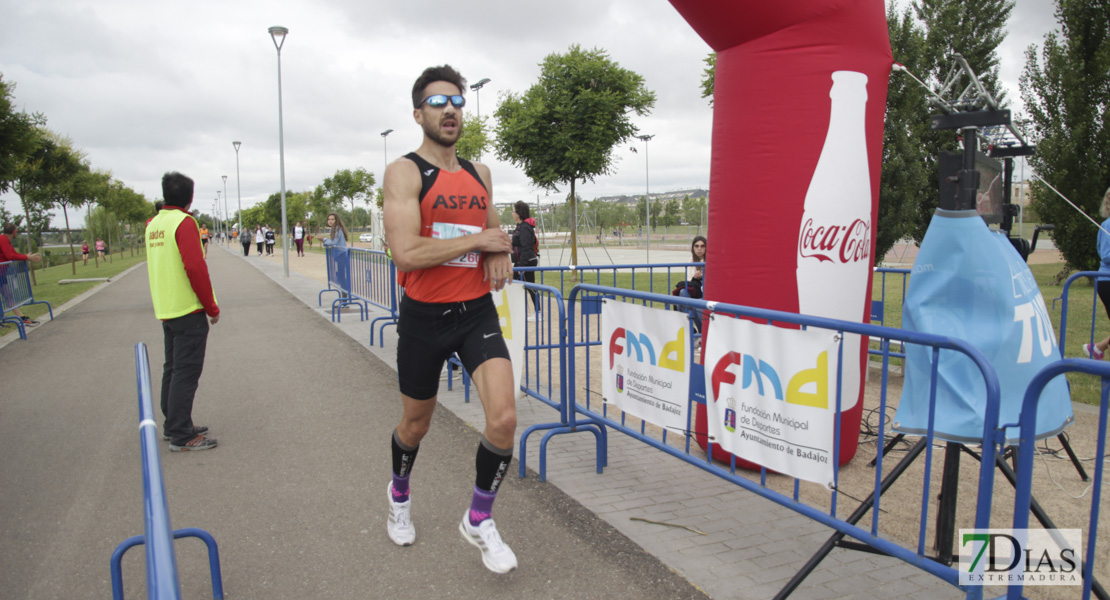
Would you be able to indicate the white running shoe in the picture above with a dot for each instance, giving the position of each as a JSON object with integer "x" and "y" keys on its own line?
{"x": 496, "y": 555}
{"x": 399, "y": 525}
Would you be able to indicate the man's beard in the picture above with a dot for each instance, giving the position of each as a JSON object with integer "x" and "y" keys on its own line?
{"x": 436, "y": 134}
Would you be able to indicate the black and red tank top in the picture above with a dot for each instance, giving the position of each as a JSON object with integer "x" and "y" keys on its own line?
{"x": 451, "y": 205}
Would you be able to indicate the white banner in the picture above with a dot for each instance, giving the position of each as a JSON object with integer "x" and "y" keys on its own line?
{"x": 510, "y": 313}
{"x": 646, "y": 362}
{"x": 771, "y": 395}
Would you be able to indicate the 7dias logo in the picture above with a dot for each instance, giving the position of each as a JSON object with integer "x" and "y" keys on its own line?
{"x": 1025, "y": 556}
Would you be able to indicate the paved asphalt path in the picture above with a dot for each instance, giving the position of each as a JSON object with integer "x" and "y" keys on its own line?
{"x": 295, "y": 492}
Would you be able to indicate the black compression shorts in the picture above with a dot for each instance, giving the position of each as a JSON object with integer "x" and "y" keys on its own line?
{"x": 428, "y": 333}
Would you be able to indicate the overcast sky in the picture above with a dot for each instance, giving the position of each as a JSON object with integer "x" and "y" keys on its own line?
{"x": 143, "y": 87}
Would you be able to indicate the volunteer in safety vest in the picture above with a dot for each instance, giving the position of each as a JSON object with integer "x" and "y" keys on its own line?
{"x": 184, "y": 301}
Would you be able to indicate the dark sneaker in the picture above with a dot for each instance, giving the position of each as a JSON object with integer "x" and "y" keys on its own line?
{"x": 29, "y": 322}
{"x": 196, "y": 444}
{"x": 196, "y": 431}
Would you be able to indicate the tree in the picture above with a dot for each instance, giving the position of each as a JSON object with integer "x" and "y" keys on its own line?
{"x": 18, "y": 136}
{"x": 1067, "y": 96}
{"x": 907, "y": 161}
{"x": 474, "y": 139}
{"x": 564, "y": 128}
{"x": 355, "y": 186}
{"x": 708, "y": 77}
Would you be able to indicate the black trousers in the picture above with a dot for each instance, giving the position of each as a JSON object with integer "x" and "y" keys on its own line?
{"x": 260, "y": 244}
{"x": 246, "y": 248}
{"x": 186, "y": 339}
{"x": 530, "y": 277}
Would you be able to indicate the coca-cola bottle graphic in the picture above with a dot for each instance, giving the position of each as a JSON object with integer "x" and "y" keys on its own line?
{"x": 834, "y": 239}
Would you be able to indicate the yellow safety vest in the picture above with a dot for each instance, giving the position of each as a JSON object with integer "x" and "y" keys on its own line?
{"x": 170, "y": 290}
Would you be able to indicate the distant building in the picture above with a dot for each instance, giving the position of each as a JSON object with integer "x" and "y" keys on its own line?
{"x": 664, "y": 197}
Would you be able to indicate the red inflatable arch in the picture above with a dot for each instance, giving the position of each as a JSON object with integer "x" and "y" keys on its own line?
{"x": 780, "y": 226}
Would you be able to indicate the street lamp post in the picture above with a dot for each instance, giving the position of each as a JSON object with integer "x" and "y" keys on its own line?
{"x": 385, "y": 165}
{"x": 477, "y": 87}
{"x": 227, "y": 234}
{"x": 218, "y": 219}
{"x": 278, "y": 34}
{"x": 238, "y": 187}
{"x": 647, "y": 193}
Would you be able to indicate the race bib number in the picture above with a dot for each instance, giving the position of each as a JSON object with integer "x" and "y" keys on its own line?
{"x": 447, "y": 231}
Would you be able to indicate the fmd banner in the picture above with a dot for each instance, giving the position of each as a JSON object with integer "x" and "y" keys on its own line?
{"x": 510, "y": 313}
{"x": 646, "y": 362}
{"x": 771, "y": 395}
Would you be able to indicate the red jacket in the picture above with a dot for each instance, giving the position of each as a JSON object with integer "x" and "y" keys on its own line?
{"x": 7, "y": 251}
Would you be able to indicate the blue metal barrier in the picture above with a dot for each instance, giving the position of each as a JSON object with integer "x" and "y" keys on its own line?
{"x": 880, "y": 307}
{"x": 1027, "y": 454}
{"x": 15, "y": 291}
{"x": 1095, "y": 275}
{"x": 580, "y": 301}
{"x": 339, "y": 281}
{"x": 161, "y": 562}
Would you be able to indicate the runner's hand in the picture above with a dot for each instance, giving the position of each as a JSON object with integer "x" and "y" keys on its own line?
{"x": 498, "y": 270}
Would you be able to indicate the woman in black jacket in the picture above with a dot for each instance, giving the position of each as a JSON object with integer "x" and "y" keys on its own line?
{"x": 526, "y": 250}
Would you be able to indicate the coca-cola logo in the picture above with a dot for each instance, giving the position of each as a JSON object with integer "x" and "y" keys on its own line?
{"x": 835, "y": 243}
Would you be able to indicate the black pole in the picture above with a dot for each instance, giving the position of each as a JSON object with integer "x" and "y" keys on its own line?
{"x": 969, "y": 177}
{"x": 945, "y": 533}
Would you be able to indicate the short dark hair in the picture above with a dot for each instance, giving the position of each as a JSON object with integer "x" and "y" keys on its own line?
{"x": 9, "y": 228}
{"x": 521, "y": 208}
{"x": 177, "y": 189}
{"x": 432, "y": 75}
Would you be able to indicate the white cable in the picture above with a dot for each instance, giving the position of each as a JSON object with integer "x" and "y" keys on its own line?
{"x": 1035, "y": 176}
{"x": 1049, "y": 471}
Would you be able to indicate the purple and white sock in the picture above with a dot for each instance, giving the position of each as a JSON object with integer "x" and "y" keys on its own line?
{"x": 481, "y": 506}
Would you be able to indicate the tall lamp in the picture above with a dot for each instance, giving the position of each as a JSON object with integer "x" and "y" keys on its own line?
{"x": 278, "y": 34}
{"x": 227, "y": 234}
{"x": 238, "y": 187}
{"x": 385, "y": 165}
{"x": 477, "y": 87}
{"x": 647, "y": 192}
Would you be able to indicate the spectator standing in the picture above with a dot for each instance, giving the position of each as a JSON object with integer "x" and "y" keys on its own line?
{"x": 245, "y": 241}
{"x": 1098, "y": 352}
{"x": 338, "y": 237}
{"x": 259, "y": 239}
{"x": 270, "y": 240}
{"x": 182, "y": 294}
{"x": 8, "y": 253}
{"x": 525, "y": 250}
{"x": 298, "y": 237}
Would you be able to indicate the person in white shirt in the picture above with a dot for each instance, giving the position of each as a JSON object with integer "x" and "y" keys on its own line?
{"x": 298, "y": 237}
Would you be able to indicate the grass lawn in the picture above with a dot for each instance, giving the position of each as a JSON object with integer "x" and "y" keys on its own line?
{"x": 48, "y": 288}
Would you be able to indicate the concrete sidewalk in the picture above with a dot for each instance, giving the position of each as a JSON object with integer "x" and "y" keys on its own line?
{"x": 294, "y": 494}
{"x": 753, "y": 546}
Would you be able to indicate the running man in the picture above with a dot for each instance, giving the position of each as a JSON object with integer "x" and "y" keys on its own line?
{"x": 447, "y": 242}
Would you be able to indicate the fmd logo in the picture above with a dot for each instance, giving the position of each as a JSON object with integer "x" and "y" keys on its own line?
{"x": 807, "y": 387}
{"x": 672, "y": 357}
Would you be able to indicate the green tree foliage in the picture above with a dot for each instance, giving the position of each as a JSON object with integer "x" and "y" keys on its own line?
{"x": 907, "y": 162}
{"x": 708, "y": 77}
{"x": 564, "y": 128}
{"x": 18, "y": 136}
{"x": 1066, "y": 92}
{"x": 474, "y": 139}
{"x": 974, "y": 29}
{"x": 694, "y": 210}
{"x": 297, "y": 206}
{"x": 347, "y": 185}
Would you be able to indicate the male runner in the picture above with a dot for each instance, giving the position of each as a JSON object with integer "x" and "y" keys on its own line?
{"x": 447, "y": 242}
